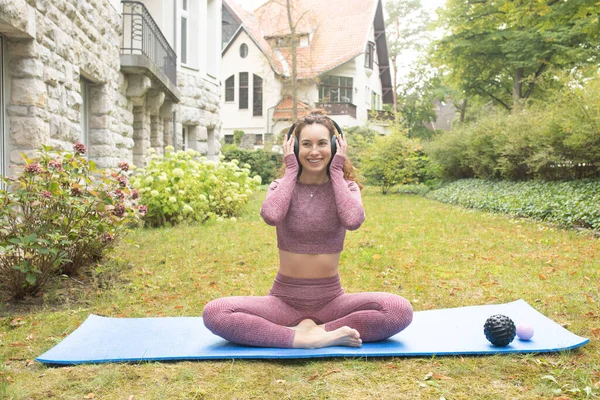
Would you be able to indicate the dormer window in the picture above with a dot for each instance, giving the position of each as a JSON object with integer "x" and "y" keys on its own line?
{"x": 369, "y": 53}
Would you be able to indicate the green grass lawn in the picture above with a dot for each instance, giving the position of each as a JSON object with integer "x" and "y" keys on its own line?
{"x": 434, "y": 254}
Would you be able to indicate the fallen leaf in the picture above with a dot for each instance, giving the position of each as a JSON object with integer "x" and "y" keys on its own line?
{"x": 315, "y": 376}
{"x": 178, "y": 307}
{"x": 331, "y": 371}
{"x": 17, "y": 322}
{"x": 596, "y": 332}
{"x": 542, "y": 277}
{"x": 589, "y": 298}
{"x": 440, "y": 376}
{"x": 90, "y": 396}
{"x": 17, "y": 344}
{"x": 376, "y": 257}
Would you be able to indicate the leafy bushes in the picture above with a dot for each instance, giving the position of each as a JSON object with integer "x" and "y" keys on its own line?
{"x": 395, "y": 160}
{"x": 555, "y": 140}
{"x": 59, "y": 215}
{"x": 567, "y": 204}
{"x": 262, "y": 162}
{"x": 182, "y": 186}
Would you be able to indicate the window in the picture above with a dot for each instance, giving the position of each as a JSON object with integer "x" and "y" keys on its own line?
{"x": 336, "y": 89}
{"x": 257, "y": 96}
{"x": 185, "y": 140}
{"x": 84, "y": 111}
{"x": 184, "y": 32}
{"x": 244, "y": 50}
{"x": 228, "y": 139}
{"x": 369, "y": 55}
{"x": 230, "y": 88}
{"x": 258, "y": 139}
{"x": 243, "y": 91}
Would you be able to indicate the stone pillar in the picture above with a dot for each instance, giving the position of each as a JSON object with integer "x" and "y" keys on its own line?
{"x": 166, "y": 117}
{"x": 28, "y": 126}
{"x": 157, "y": 134}
{"x": 141, "y": 135}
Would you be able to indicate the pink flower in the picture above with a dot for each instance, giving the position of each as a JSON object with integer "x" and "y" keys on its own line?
{"x": 57, "y": 165}
{"x": 119, "y": 210}
{"x": 122, "y": 179}
{"x": 46, "y": 194}
{"x": 106, "y": 238}
{"x": 143, "y": 209}
{"x": 33, "y": 168}
{"x": 79, "y": 148}
{"x": 135, "y": 194}
{"x": 123, "y": 166}
{"x": 119, "y": 194}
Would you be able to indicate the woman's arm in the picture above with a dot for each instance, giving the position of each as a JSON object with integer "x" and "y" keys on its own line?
{"x": 276, "y": 205}
{"x": 347, "y": 195}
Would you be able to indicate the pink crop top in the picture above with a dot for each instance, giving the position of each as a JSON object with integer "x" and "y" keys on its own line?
{"x": 313, "y": 219}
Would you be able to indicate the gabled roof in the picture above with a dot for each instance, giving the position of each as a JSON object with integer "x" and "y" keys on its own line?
{"x": 338, "y": 28}
{"x": 338, "y": 32}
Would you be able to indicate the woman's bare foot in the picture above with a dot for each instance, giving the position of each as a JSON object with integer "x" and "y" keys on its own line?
{"x": 304, "y": 325}
{"x": 312, "y": 336}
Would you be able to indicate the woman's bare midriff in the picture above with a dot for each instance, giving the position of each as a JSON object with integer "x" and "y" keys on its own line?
{"x": 308, "y": 266}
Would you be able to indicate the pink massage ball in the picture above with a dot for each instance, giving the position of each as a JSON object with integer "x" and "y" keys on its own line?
{"x": 524, "y": 331}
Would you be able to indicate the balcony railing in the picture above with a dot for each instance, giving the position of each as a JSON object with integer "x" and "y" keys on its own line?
{"x": 338, "y": 108}
{"x": 142, "y": 36}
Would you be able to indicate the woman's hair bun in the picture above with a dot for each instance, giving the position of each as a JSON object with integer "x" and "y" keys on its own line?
{"x": 318, "y": 111}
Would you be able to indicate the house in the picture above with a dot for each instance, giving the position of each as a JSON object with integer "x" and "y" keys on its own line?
{"x": 342, "y": 64}
{"x": 120, "y": 76}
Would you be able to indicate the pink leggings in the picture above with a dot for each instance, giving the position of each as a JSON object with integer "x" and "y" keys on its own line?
{"x": 264, "y": 320}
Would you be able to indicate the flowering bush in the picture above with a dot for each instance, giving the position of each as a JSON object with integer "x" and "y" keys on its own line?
{"x": 182, "y": 186}
{"x": 59, "y": 215}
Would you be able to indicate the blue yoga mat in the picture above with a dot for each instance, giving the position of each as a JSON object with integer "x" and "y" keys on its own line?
{"x": 452, "y": 331}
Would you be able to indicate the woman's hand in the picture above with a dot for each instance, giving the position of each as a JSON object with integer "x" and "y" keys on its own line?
{"x": 288, "y": 145}
{"x": 341, "y": 145}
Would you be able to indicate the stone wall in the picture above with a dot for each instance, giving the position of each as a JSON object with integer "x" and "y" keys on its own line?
{"x": 199, "y": 110}
{"x": 52, "y": 46}
{"x": 45, "y": 66}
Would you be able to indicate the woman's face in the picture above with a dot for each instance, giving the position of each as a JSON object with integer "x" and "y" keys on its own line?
{"x": 315, "y": 149}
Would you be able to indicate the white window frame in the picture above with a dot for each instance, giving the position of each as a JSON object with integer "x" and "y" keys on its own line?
{"x": 184, "y": 11}
{"x": 185, "y": 131}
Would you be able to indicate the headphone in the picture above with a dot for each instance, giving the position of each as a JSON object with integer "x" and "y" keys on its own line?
{"x": 297, "y": 144}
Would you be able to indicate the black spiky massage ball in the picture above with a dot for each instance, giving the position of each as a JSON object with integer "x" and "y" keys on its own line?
{"x": 500, "y": 330}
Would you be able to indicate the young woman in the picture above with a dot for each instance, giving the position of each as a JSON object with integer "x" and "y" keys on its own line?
{"x": 311, "y": 206}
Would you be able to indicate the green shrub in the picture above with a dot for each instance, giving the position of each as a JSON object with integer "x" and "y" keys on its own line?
{"x": 557, "y": 139}
{"x": 59, "y": 215}
{"x": 263, "y": 163}
{"x": 182, "y": 186}
{"x": 395, "y": 160}
{"x": 568, "y": 204}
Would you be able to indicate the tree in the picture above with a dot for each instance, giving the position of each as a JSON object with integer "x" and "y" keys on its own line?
{"x": 405, "y": 25}
{"x": 288, "y": 39}
{"x": 500, "y": 49}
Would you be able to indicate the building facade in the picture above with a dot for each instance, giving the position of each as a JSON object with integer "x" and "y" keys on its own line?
{"x": 342, "y": 64}
{"x": 119, "y": 76}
